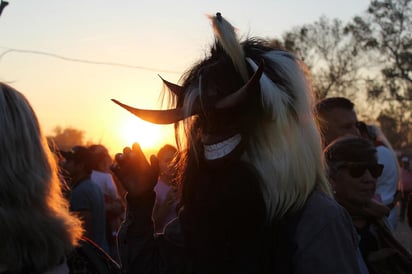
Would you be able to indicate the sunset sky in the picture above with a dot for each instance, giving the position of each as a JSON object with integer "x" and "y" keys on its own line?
{"x": 61, "y": 53}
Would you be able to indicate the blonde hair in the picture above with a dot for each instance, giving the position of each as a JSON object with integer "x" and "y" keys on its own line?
{"x": 284, "y": 144}
{"x": 36, "y": 228}
{"x": 282, "y": 140}
{"x": 286, "y": 149}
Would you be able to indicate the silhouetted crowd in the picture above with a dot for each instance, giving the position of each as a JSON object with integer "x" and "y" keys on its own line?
{"x": 263, "y": 180}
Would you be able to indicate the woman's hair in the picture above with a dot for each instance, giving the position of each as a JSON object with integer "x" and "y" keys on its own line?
{"x": 100, "y": 159}
{"x": 348, "y": 149}
{"x": 36, "y": 228}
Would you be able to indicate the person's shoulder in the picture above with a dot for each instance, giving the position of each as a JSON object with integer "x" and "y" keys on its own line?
{"x": 382, "y": 149}
{"x": 98, "y": 176}
{"x": 106, "y": 179}
{"x": 385, "y": 155}
{"x": 320, "y": 202}
{"x": 89, "y": 186}
{"x": 323, "y": 219}
{"x": 319, "y": 211}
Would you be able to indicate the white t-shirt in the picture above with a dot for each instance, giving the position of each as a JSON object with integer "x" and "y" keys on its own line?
{"x": 105, "y": 182}
{"x": 387, "y": 183}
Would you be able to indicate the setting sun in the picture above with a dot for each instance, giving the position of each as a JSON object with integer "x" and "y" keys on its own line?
{"x": 148, "y": 135}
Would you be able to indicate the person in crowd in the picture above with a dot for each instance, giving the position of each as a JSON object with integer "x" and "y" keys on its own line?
{"x": 336, "y": 117}
{"x": 165, "y": 207}
{"x": 405, "y": 185}
{"x": 254, "y": 196}
{"x": 86, "y": 198}
{"x": 38, "y": 234}
{"x": 101, "y": 173}
{"x": 353, "y": 170}
{"x": 102, "y": 176}
{"x": 387, "y": 183}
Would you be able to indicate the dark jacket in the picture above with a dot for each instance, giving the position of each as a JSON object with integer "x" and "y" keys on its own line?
{"x": 225, "y": 231}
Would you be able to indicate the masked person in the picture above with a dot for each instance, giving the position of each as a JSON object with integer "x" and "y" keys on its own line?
{"x": 254, "y": 197}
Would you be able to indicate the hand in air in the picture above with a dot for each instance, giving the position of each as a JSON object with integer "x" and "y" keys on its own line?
{"x": 134, "y": 172}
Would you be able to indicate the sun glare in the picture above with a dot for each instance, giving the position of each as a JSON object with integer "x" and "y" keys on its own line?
{"x": 148, "y": 135}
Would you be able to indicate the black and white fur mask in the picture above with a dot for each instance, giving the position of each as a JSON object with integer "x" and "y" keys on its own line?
{"x": 247, "y": 92}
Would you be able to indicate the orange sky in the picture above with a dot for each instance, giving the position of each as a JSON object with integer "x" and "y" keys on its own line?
{"x": 70, "y": 58}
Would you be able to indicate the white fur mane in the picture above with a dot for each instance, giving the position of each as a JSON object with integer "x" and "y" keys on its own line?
{"x": 286, "y": 149}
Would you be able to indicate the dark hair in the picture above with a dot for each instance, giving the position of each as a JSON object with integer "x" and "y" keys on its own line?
{"x": 165, "y": 149}
{"x": 331, "y": 103}
{"x": 349, "y": 149}
{"x": 80, "y": 155}
{"x": 98, "y": 149}
{"x": 98, "y": 153}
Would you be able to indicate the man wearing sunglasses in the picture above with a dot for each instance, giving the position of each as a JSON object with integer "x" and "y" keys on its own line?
{"x": 353, "y": 170}
{"x": 336, "y": 117}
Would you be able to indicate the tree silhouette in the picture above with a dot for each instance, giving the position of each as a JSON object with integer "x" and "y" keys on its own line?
{"x": 331, "y": 55}
{"x": 368, "y": 60}
{"x": 66, "y": 138}
{"x": 385, "y": 33}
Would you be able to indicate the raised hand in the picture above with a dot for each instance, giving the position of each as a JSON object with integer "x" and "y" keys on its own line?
{"x": 134, "y": 172}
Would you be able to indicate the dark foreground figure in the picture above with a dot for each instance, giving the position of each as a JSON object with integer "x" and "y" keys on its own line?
{"x": 254, "y": 197}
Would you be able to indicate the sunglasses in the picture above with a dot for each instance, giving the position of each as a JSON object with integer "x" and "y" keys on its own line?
{"x": 357, "y": 170}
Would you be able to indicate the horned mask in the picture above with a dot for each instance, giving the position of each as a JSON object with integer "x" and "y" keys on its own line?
{"x": 213, "y": 95}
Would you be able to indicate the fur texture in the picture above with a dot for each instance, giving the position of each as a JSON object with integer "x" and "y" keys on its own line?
{"x": 36, "y": 228}
{"x": 277, "y": 125}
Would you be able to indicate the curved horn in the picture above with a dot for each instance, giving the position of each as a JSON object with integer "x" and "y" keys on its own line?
{"x": 161, "y": 117}
{"x": 241, "y": 94}
{"x": 176, "y": 89}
